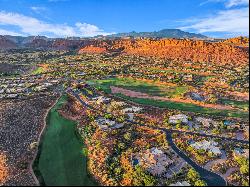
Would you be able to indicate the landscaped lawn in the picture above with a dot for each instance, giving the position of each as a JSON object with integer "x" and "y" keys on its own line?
{"x": 141, "y": 86}
{"x": 61, "y": 162}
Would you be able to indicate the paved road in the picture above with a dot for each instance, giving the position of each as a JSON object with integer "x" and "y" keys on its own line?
{"x": 212, "y": 179}
{"x": 163, "y": 129}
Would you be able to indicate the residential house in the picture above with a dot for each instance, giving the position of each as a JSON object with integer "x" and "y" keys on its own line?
{"x": 106, "y": 124}
{"x": 241, "y": 152}
{"x": 180, "y": 118}
{"x": 154, "y": 161}
{"x": 184, "y": 183}
{"x": 209, "y": 146}
{"x": 206, "y": 122}
{"x": 101, "y": 99}
{"x": 132, "y": 109}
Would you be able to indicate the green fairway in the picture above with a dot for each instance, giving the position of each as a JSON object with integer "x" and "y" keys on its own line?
{"x": 187, "y": 107}
{"x": 141, "y": 86}
{"x": 238, "y": 104}
{"x": 161, "y": 90}
{"x": 61, "y": 162}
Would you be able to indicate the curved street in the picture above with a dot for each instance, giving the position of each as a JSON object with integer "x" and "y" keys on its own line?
{"x": 211, "y": 178}
{"x": 163, "y": 129}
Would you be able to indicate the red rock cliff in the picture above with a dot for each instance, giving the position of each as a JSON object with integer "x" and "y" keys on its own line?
{"x": 182, "y": 50}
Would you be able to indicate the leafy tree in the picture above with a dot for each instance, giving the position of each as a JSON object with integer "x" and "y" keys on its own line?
{"x": 216, "y": 131}
{"x": 192, "y": 175}
{"x": 245, "y": 183}
{"x": 108, "y": 116}
{"x": 190, "y": 149}
{"x": 210, "y": 154}
{"x": 201, "y": 151}
{"x": 178, "y": 126}
{"x": 140, "y": 178}
{"x": 200, "y": 183}
{"x": 244, "y": 169}
{"x": 85, "y": 151}
{"x": 127, "y": 136}
{"x": 121, "y": 146}
{"x": 242, "y": 160}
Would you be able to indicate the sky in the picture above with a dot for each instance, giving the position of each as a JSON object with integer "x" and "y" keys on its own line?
{"x": 85, "y": 18}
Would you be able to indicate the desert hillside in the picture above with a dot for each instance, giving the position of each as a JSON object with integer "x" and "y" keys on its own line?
{"x": 238, "y": 41}
{"x": 175, "y": 49}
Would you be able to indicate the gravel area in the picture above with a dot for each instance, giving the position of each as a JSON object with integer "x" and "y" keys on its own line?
{"x": 21, "y": 122}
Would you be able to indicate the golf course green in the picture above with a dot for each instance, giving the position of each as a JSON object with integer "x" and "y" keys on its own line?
{"x": 172, "y": 91}
{"x": 60, "y": 161}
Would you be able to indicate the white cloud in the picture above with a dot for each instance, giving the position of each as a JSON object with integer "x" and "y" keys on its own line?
{"x": 6, "y": 32}
{"x": 33, "y": 26}
{"x": 90, "y": 30}
{"x": 228, "y": 3}
{"x": 232, "y": 3}
{"x": 230, "y": 21}
{"x": 38, "y": 9}
{"x": 211, "y": 1}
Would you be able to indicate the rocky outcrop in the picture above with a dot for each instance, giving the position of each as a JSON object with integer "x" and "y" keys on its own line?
{"x": 232, "y": 51}
{"x": 238, "y": 41}
{"x": 93, "y": 49}
{"x": 175, "y": 49}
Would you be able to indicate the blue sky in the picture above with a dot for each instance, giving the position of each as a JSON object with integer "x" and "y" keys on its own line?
{"x": 61, "y": 18}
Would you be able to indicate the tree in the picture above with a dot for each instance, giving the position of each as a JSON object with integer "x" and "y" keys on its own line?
{"x": 200, "y": 183}
{"x": 210, "y": 154}
{"x": 85, "y": 151}
{"x": 244, "y": 169}
{"x": 127, "y": 136}
{"x": 200, "y": 158}
{"x": 245, "y": 183}
{"x": 216, "y": 131}
{"x": 190, "y": 149}
{"x": 121, "y": 146}
{"x": 140, "y": 178}
{"x": 178, "y": 126}
{"x": 108, "y": 116}
{"x": 242, "y": 160}
{"x": 192, "y": 175}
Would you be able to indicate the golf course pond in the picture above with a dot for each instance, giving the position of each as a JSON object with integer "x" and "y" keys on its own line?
{"x": 60, "y": 161}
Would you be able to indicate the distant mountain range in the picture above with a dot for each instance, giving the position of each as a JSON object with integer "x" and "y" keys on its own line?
{"x": 165, "y": 33}
{"x": 73, "y": 43}
{"x": 7, "y": 42}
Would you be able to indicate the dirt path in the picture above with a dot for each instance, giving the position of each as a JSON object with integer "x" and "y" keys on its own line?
{"x": 135, "y": 94}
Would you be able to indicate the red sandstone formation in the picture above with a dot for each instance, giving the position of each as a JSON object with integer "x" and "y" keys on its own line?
{"x": 93, "y": 49}
{"x": 174, "y": 49}
{"x": 238, "y": 41}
